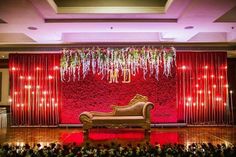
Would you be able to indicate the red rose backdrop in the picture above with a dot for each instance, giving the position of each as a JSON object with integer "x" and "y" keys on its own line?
{"x": 94, "y": 94}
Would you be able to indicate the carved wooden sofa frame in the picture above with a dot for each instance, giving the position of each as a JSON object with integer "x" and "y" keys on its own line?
{"x": 136, "y": 113}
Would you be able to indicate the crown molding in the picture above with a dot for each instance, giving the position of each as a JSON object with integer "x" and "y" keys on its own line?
{"x": 110, "y": 20}
{"x": 224, "y": 46}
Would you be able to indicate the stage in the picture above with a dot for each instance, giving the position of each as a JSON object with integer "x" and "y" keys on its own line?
{"x": 63, "y": 135}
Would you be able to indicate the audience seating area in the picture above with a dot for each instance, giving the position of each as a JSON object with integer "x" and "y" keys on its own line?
{"x": 116, "y": 150}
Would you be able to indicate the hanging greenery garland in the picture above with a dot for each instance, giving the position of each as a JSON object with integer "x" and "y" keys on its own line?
{"x": 76, "y": 63}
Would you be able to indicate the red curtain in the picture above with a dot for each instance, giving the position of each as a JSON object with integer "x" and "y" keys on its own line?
{"x": 35, "y": 89}
{"x": 202, "y": 88}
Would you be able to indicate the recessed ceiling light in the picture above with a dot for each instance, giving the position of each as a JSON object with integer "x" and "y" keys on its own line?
{"x": 32, "y": 28}
{"x": 3, "y": 56}
{"x": 189, "y": 27}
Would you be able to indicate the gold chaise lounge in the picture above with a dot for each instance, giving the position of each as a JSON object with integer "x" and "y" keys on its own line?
{"x": 136, "y": 113}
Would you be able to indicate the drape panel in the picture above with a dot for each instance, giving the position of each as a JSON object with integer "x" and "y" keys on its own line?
{"x": 202, "y": 89}
{"x": 35, "y": 89}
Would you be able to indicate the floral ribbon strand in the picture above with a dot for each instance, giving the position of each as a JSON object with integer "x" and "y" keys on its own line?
{"x": 76, "y": 63}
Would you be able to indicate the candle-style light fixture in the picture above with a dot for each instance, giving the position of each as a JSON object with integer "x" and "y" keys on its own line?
{"x": 202, "y": 88}
{"x": 34, "y": 93}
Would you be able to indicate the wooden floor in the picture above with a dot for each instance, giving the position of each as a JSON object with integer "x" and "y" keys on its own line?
{"x": 184, "y": 135}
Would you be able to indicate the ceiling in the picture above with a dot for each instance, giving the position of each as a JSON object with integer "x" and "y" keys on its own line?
{"x": 110, "y": 6}
{"x": 78, "y": 21}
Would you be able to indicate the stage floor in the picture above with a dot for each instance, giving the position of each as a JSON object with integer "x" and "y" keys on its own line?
{"x": 184, "y": 135}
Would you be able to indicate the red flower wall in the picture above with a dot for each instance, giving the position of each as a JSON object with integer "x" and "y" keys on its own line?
{"x": 94, "y": 94}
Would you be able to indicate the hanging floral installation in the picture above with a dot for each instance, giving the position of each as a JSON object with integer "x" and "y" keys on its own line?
{"x": 76, "y": 63}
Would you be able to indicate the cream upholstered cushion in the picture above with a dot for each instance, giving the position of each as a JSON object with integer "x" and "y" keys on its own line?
{"x": 117, "y": 119}
{"x": 134, "y": 110}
